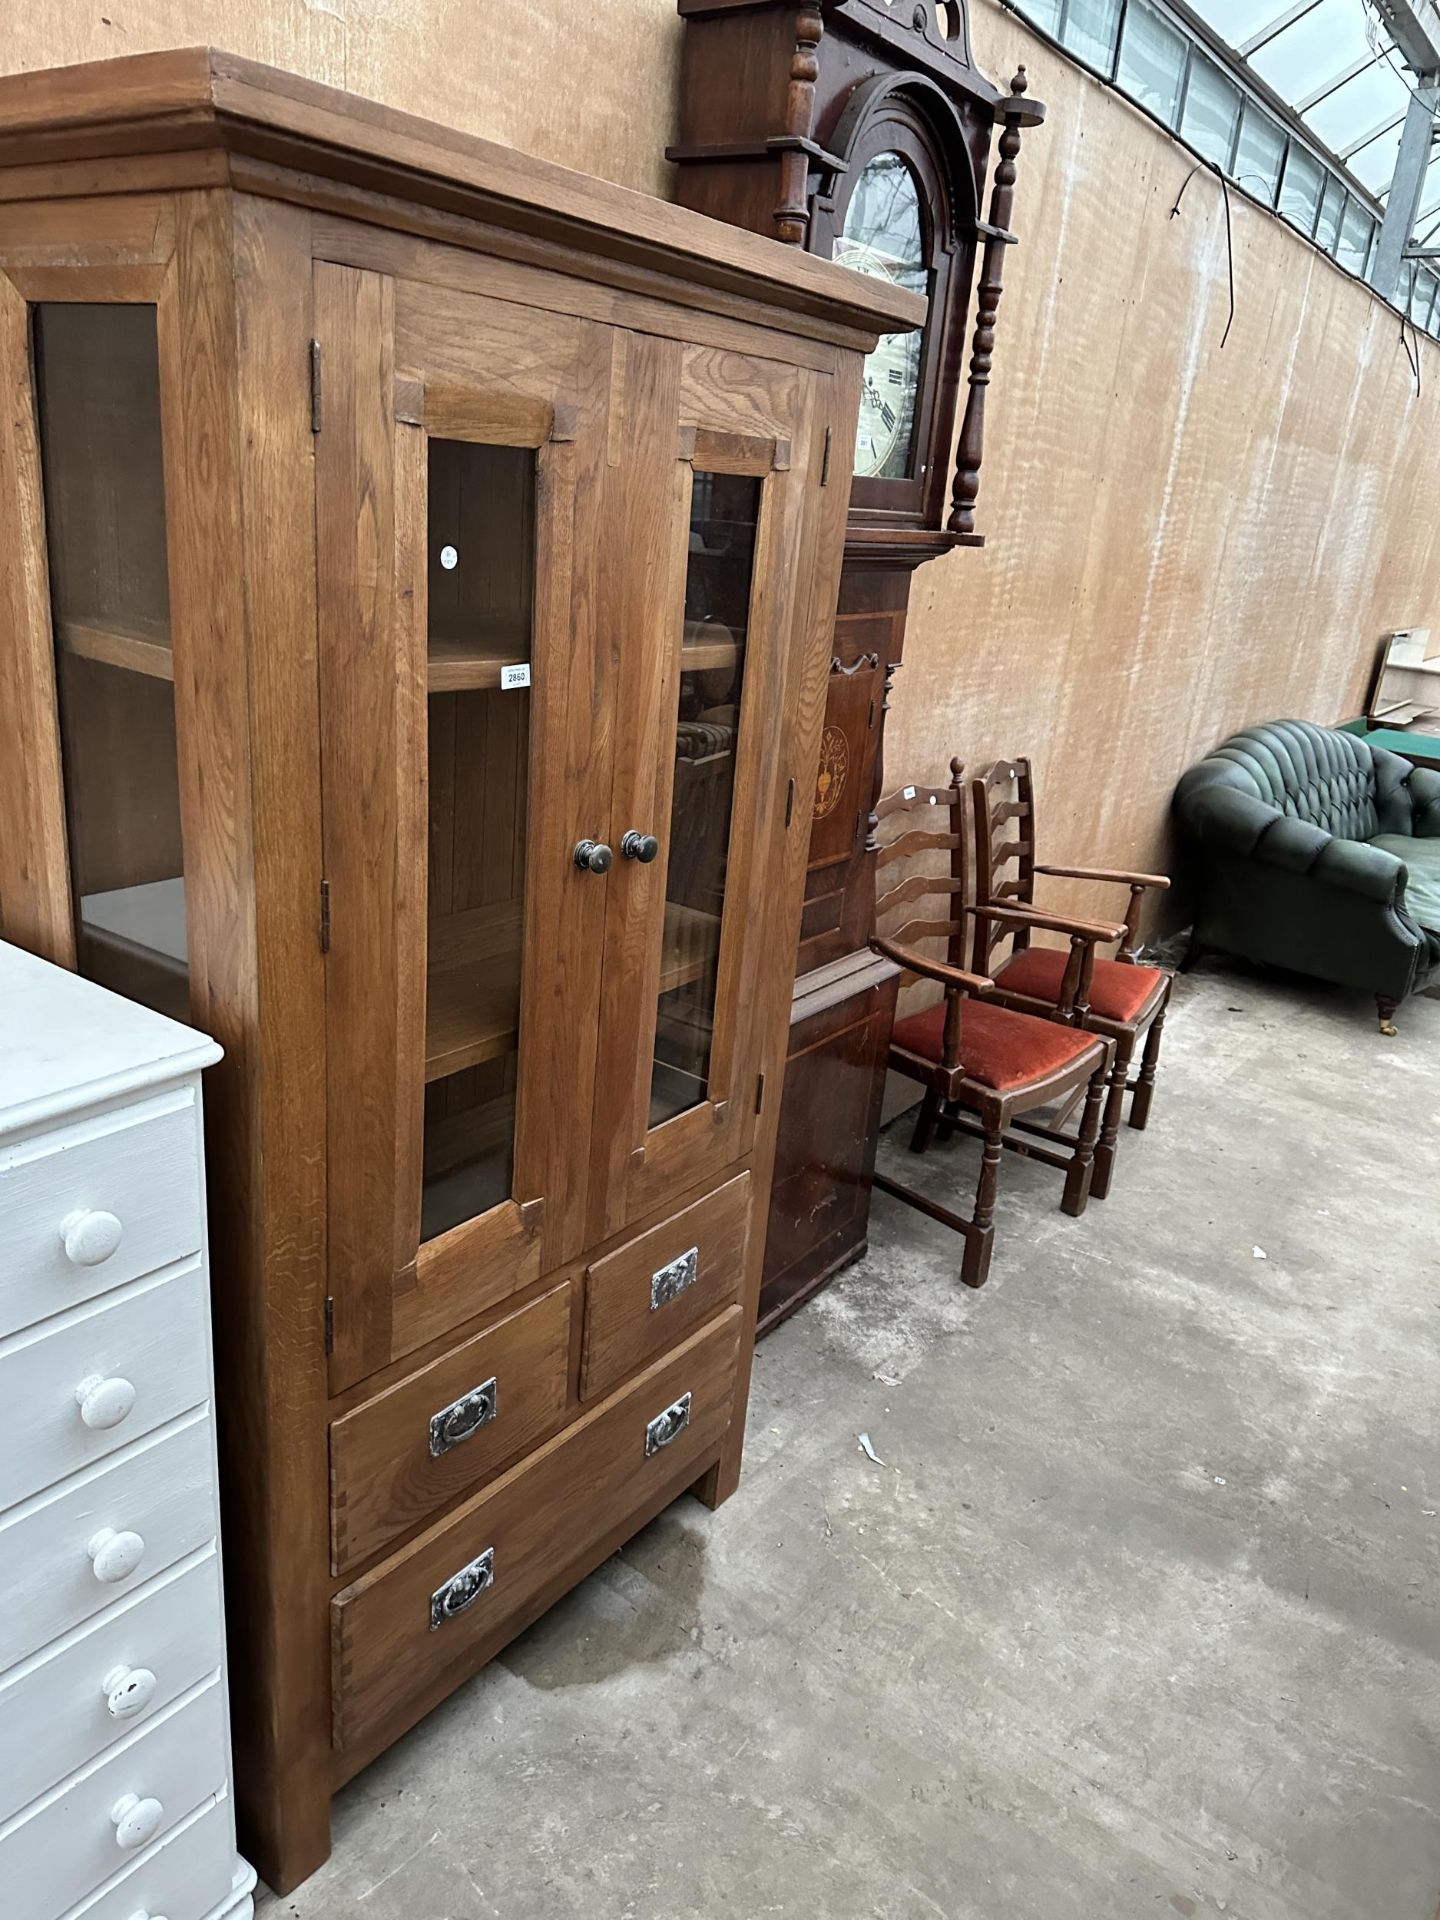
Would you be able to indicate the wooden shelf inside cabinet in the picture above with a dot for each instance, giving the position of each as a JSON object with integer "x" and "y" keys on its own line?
{"x": 136, "y": 647}
{"x": 465, "y": 662}
{"x": 707, "y": 646}
{"x": 689, "y": 946}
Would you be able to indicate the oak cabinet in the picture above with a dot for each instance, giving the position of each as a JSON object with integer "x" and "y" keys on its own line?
{"x": 417, "y": 575}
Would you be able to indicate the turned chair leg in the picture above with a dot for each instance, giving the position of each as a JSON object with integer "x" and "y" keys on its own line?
{"x": 1387, "y": 1009}
{"x": 978, "y": 1242}
{"x": 1145, "y": 1087}
{"x": 925, "y": 1124}
{"x": 1118, "y": 1081}
{"x": 1082, "y": 1160}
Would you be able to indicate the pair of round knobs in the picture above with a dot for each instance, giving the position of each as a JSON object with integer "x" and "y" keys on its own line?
{"x": 593, "y": 856}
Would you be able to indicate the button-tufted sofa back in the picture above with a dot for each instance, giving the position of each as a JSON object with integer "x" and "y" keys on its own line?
{"x": 1330, "y": 780}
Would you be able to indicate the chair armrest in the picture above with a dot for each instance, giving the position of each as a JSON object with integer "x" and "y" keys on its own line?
{"x": 1160, "y": 881}
{"x": 940, "y": 970}
{"x": 1096, "y": 931}
{"x": 1423, "y": 787}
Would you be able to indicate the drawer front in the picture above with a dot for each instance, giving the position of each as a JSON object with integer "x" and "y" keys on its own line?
{"x": 65, "y": 1195}
{"x": 158, "y": 1491}
{"x": 503, "y": 1548}
{"x": 63, "y": 1710}
{"x": 649, "y": 1293}
{"x": 77, "y": 1389}
{"x": 81, "y": 1834}
{"x": 184, "y": 1876}
{"x": 410, "y": 1450}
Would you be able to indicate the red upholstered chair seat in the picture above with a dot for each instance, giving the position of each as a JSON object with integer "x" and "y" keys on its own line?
{"x": 1000, "y": 1049}
{"x": 1118, "y": 991}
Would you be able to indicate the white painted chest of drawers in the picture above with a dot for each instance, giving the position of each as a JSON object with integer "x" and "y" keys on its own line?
{"x": 115, "y": 1798}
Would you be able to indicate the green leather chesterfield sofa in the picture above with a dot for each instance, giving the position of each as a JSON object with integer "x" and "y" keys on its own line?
{"x": 1315, "y": 851}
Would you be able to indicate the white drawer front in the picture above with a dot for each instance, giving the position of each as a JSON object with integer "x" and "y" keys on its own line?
{"x": 70, "y": 1843}
{"x": 137, "y": 1166}
{"x": 158, "y": 1491}
{"x": 142, "y": 1654}
{"x": 140, "y": 1360}
{"x": 185, "y": 1876}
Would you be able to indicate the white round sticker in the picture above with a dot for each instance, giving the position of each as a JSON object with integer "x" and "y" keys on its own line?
{"x": 449, "y": 559}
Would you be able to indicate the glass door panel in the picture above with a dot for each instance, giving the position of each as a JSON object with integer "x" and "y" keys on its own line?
{"x": 724, "y": 513}
{"x": 98, "y": 401}
{"x": 480, "y": 566}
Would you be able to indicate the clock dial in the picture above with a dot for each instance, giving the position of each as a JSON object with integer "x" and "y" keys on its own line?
{"x": 883, "y": 236}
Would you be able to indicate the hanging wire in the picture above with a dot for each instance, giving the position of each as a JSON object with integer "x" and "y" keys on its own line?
{"x": 1412, "y": 353}
{"x": 1206, "y": 166}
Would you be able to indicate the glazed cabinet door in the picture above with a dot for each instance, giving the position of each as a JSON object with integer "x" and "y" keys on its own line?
{"x": 722, "y": 455}
{"x": 465, "y": 743}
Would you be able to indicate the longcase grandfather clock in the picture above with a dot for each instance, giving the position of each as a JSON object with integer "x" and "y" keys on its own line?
{"x": 862, "y": 131}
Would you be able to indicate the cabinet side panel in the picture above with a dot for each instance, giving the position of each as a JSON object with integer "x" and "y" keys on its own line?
{"x": 830, "y": 406}
{"x": 34, "y": 872}
{"x": 270, "y": 1346}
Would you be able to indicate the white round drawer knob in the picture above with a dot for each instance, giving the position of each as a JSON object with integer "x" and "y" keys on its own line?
{"x": 128, "y": 1691}
{"x": 90, "y": 1236}
{"x": 136, "y": 1821}
{"x": 142, "y": 1915}
{"x": 104, "y": 1403}
{"x": 113, "y": 1555}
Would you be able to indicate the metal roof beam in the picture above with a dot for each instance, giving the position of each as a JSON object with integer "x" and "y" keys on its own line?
{"x": 1335, "y": 83}
{"x": 1388, "y": 125}
{"x": 1414, "y": 26}
{"x": 1407, "y": 185}
{"x": 1274, "y": 28}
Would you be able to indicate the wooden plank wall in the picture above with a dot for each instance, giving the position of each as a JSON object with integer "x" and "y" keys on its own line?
{"x": 1181, "y": 540}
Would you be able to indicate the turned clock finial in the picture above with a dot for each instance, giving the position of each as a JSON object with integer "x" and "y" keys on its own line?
{"x": 792, "y": 216}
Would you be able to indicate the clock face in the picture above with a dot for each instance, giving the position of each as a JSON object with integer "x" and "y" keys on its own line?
{"x": 884, "y": 236}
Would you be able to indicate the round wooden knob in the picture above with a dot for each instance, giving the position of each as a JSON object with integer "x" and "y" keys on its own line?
{"x": 90, "y": 1236}
{"x": 128, "y": 1691}
{"x": 103, "y": 1402}
{"x": 136, "y": 1821}
{"x": 115, "y": 1556}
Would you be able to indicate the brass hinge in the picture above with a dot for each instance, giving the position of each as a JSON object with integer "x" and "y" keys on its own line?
{"x": 759, "y": 1091}
{"x": 825, "y": 458}
{"x": 324, "y": 916}
{"x": 329, "y": 1323}
{"x": 315, "y": 386}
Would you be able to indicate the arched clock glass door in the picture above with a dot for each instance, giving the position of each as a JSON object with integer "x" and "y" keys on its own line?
{"x": 884, "y": 235}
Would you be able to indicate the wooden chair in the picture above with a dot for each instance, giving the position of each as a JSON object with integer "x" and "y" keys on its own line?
{"x": 1123, "y": 1000}
{"x": 983, "y": 1066}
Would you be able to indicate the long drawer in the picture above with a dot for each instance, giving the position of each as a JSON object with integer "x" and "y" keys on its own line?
{"x": 443, "y": 1430}
{"x": 648, "y": 1294}
{"x": 84, "y": 1831}
{"x": 87, "y": 1207}
{"x": 78, "y": 1388}
{"x": 63, "y": 1707}
{"x": 156, "y": 1503}
{"x": 454, "y": 1596}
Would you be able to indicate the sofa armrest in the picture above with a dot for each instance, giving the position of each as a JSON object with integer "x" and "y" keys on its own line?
{"x": 1355, "y": 867}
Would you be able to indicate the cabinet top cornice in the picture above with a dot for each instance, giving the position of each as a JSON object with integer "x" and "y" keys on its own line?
{"x": 293, "y": 138}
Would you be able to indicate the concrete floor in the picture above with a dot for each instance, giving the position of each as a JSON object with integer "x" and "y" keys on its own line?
{"x": 1137, "y": 1618}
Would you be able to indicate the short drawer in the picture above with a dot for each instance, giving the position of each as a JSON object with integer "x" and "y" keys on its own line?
{"x": 453, "y": 1597}
{"x": 155, "y": 1501}
{"x": 649, "y": 1293}
{"x": 190, "y": 1874}
{"x": 87, "y": 1207}
{"x": 397, "y": 1458}
{"x": 83, "y": 1832}
{"x": 66, "y": 1706}
{"x": 77, "y": 1388}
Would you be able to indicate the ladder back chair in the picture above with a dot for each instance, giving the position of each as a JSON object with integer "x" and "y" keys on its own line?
{"x": 983, "y": 1066}
{"x": 1123, "y": 999}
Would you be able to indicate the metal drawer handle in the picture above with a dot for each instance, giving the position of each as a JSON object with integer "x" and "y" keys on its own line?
{"x": 464, "y": 1417}
{"x": 462, "y": 1589}
{"x": 672, "y": 1280}
{"x": 136, "y": 1821}
{"x": 666, "y": 1426}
